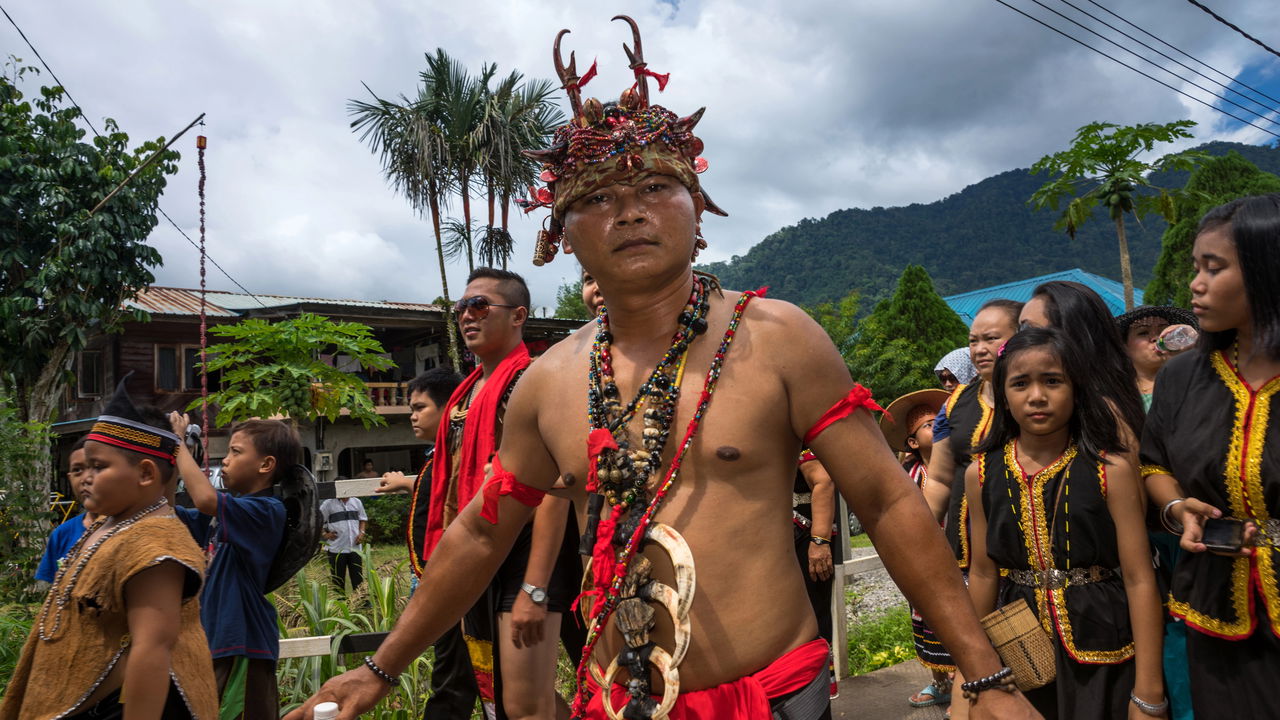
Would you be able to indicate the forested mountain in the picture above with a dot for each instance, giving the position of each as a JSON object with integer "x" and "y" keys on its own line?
{"x": 983, "y": 235}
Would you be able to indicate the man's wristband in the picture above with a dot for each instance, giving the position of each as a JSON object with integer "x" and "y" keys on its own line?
{"x": 1001, "y": 679}
{"x": 392, "y": 680}
{"x": 816, "y": 540}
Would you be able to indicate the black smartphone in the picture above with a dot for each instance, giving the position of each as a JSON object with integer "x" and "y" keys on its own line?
{"x": 1223, "y": 534}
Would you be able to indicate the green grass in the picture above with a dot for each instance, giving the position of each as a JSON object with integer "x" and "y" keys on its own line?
{"x": 860, "y": 541}
{"x": 880, "y": 641}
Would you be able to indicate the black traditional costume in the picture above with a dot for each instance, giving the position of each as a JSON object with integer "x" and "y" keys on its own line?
{"x": 1052, "y": 538}
{"x": 970, "y": 419}
{"x": 1209, "y": 429}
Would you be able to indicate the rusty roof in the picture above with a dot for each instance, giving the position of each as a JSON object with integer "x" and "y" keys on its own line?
{"x": 184, "y": 301}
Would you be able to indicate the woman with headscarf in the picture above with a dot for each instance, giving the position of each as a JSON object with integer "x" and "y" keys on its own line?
{"x": 955, "y": 369}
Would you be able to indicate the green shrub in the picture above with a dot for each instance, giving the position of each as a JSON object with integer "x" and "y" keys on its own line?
{"x": 24, "y": 503}
{"x": 880, "y": 641}
{"x": 387, "y": 517}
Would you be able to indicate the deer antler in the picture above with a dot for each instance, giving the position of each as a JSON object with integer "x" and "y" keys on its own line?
{"x": 568, "y": 75}
{"x": 637, "y": 59}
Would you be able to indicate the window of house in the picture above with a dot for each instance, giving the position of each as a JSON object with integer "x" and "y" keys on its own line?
{"x": 89, "y": 374}
{"x": 178, "y": 369}
{"x": 191, "y": 368}
{"x": 168, "y": 372}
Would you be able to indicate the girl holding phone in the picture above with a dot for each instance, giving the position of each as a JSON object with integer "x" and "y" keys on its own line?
{"x": 1060, "y": 521}
{"x": 1211, "y": 462}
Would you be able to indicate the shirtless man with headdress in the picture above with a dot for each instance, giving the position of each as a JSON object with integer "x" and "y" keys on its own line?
{"x": 676, "y": 419}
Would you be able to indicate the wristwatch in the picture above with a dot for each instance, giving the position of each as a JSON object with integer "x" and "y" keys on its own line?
{"x": 819, "y": 540}
{"x": 536, "y": 594}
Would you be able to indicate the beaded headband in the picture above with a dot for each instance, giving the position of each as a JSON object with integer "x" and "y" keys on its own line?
{"x": 121, "y": 425}
{"x": 611, "y": 143}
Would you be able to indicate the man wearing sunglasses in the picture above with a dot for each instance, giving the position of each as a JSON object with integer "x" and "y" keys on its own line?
{"x": 514, "y": 626}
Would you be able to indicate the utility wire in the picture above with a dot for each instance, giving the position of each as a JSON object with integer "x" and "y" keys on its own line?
{"x": 1219, "y": 83}
{"x": 1183, "y": 52}
{"x": 1157, "y": 65}
{"x": 1224, "y": 21}
{"x": 1140, "y": 72}
{"x": 84, "y": 116}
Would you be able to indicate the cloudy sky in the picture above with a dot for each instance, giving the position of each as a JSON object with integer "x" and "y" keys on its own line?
{"x": 812, "y": 107}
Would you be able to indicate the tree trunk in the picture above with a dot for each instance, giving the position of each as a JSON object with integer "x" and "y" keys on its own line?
{"x": 506, "y": 206}
{"x": 40, "y": 401}
{"x": 1126, "y": 272}
{"x": 450, "y": 334}
{"x": 464, "y": 181}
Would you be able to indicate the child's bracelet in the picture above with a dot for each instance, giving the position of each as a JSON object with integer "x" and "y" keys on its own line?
{"x": 1167, "y": 520}
{"x": 392, "y": 680}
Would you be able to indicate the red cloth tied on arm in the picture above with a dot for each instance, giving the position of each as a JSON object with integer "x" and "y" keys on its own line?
{"x": 479, "y": 440}
{"x": 505, "y": 483}
{"x": 858, "y": 397}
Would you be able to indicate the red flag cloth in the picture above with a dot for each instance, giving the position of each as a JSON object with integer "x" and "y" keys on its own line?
{"x": 597, "y": 442}
{"x": 586, "y": 78}
{"x": 743, "y": 699}
{"x": 505, "y": 483}
{"x": 662, "y": 79}
{"x": 858, "y": 397}
{"x": 479, "y": 440}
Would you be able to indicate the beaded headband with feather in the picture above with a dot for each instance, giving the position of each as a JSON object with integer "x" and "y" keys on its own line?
{"x": 611, "y": 143}
{"x": 122, "y": 426}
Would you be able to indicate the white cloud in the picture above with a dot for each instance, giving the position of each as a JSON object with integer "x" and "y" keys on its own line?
{"x": 812, "y": 107}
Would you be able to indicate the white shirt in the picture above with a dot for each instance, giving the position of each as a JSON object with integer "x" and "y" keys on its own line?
{"x": 343, "y": 517}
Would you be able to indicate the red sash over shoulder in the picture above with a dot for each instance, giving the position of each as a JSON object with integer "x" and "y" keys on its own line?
{"x": 743, "y": 699}
{"x": 479, "y": 440}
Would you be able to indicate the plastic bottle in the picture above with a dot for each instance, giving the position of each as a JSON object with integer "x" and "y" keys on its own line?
{"x": 1177, "y": 339}
{"x": 325, "y": 711}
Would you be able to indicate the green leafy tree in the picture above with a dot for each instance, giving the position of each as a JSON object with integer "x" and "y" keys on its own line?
{"x": 569, "y": 303}
{"x": 904, "y": 336}
{"x": 840, "y": 320}
{"x": 64, "y": 272}
{"x": 1214, "y": 182}
{"x": 24, "y": 516}
{"x": 1103, "y": 167}
{"x": 271, "y": 368}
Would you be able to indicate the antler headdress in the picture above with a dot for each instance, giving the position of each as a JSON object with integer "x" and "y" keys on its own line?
{"x": 606, "y": 144}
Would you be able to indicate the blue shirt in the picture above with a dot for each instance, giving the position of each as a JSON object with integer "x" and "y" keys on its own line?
{"x": 240, "y": 545}
{"x": 60, "y": 542}
{"x": 941, "y": 425}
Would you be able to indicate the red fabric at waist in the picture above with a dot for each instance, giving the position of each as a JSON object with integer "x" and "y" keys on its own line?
{"x": 746, "y": 698}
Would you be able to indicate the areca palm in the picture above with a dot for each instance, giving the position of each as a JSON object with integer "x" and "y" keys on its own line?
{"x": 407, "y": 137}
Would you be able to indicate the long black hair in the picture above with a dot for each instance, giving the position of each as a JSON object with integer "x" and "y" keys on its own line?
{"x": 1254, "y": 228}
{"x": 1086, "y": 323}
{"x": 1093, "y": 426}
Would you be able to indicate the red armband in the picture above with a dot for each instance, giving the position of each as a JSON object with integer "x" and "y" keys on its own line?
{"x": 505, "y": 483}
{"x": 807, "y": 456}
{"x": 858, "y": 397}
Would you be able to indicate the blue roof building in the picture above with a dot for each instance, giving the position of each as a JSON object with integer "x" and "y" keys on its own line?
{"x": 966, "y": 304}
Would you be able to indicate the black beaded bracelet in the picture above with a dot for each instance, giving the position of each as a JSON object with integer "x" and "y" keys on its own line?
{"x": 1002, "y": 679}
{"x": 392, "y": 680}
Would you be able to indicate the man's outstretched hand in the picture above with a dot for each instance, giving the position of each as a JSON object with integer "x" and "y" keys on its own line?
{"x": 356, "y": 692}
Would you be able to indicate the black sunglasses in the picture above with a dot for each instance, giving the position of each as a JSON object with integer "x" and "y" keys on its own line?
{"x": 479, "y": 303}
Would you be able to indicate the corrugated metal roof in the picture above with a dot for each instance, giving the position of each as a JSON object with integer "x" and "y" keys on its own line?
{"x": 184, "y": 301}
{"x": 967, "y": 304}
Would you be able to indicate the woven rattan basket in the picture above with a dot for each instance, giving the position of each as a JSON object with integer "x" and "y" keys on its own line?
{"x": 1022, "y": 643}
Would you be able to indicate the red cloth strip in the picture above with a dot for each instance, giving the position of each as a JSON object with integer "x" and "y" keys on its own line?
{"x": 597, "y": 442}
{"x": 858, "y": 397}
{"x": 505, "y": 483}
{"x": 582, "y": 81}
{"x": 99, "y": 437}
{"x": 807, "y": 456}
{"x": 744, "y": 699}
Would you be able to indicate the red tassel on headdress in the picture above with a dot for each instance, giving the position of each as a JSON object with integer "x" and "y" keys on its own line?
{"x": 662, "y": 79}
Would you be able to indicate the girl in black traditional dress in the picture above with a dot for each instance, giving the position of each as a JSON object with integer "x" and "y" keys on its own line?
{"x": 1057, "y": 513}
{"x": 1211, "y": 453}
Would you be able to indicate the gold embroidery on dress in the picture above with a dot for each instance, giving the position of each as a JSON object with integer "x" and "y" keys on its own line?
{"x": 1147, "y": 471}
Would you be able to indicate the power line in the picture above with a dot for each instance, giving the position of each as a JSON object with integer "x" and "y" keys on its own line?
{"x": 1153, "y": 63}
{"x": 1183, "y": 52}
{"x": 84, "y": 116}
{"x": 1224, "y": 21}
{"x": 1149, "y": 77}
{"x": 1228, "y": 88}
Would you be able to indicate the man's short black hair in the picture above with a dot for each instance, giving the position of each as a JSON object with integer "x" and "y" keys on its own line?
{"x": 438, "y": 383}
{"x": 513, "y": 287}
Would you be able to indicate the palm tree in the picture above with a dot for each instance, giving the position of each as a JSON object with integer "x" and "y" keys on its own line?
{"x": 415, "y": 159}
{"x": 518, "y": 116}
{"x": 458, "y": 107}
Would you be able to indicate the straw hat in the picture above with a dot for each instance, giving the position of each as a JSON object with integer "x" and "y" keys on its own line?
{"x": 904, "y": 410}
